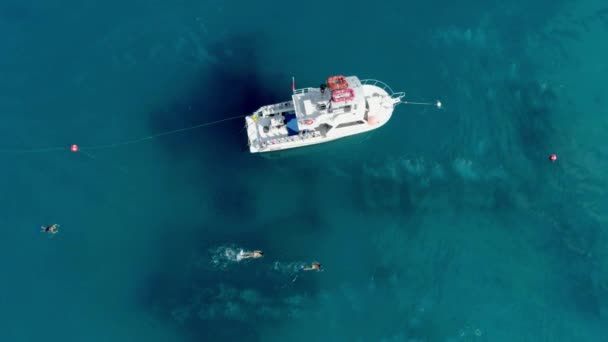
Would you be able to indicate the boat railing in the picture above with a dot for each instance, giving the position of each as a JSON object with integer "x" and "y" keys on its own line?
{"x": 303, "y": 90}
{"x": 277, "y": 140}
{"x": 395, "y": 95}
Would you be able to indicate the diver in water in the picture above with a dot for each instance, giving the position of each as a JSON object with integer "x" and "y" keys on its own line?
{"x": 53, "y": 229}
{"x": 246, "y": 255}
{"x": 314, "y": 267}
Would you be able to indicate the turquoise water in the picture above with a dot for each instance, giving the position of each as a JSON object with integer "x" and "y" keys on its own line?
{"x": 444, "y": 225}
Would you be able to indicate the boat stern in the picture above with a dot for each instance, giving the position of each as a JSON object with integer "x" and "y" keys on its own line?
{"x": 253, "y": 137}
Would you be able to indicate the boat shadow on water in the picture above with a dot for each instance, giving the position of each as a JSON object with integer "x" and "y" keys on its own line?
{"x": 229, "y": 88}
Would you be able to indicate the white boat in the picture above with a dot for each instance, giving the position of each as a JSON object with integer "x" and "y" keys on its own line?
{"x": 342, "y": 107}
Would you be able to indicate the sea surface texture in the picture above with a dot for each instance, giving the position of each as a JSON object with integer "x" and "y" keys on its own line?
{"x": 446, "y": 224}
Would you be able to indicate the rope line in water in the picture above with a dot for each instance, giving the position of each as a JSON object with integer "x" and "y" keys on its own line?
{"x": 39, "y": 150}
{"x": 154, "y": 136}
{"x": 121, "y": 143}
{"x": 437, "y": 104}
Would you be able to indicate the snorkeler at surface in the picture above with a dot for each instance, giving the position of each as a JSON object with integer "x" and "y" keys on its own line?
{"x": 53, "y": 229}
{"x": 246, "y": 255}
{"x": 314, "y": 267}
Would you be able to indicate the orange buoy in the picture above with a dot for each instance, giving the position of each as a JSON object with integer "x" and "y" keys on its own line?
{"x": 74, "y": 148}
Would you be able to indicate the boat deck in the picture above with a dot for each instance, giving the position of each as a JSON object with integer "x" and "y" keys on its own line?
{"x": 312, "y": 103}
{"x": 278, "y": 127}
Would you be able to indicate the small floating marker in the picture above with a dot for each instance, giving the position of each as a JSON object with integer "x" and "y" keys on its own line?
{"x": 553, "y": 157}
{"x": 74, "y": 148}
{"x": 438, "y": 104}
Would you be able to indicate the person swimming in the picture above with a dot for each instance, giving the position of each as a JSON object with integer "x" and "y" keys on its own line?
{"x": 246, "y": 255}
{"x": 315, "y": 266}
{"x": 53, "y": 229}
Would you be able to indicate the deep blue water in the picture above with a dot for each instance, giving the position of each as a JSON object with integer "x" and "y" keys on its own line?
{"x": 444, "y": 225}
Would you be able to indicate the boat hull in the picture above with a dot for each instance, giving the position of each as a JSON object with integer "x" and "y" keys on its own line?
{"x": 379, "y": 109}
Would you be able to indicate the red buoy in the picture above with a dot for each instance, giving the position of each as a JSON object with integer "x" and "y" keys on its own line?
{"x": 74, "y": 148}
{"x": 553, "y": 157}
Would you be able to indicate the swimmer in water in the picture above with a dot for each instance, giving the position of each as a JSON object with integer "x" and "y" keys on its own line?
{"x": 255, "y": 254}
{"x": 53, "y": 229}
{"x": 314, "y": 267}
